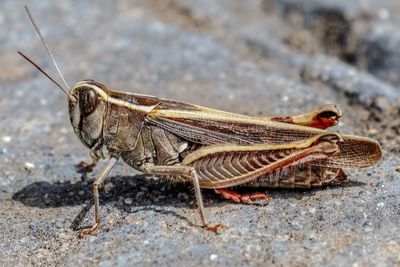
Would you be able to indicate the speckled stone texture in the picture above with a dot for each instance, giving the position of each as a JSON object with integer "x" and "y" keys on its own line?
{"x": 251, "y": 57}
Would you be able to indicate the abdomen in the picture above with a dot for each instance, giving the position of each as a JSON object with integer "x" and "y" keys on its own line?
{"x": 303, "y": 176}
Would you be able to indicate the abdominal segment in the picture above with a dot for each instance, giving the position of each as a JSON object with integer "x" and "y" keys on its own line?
{"x": 301, "y": 176}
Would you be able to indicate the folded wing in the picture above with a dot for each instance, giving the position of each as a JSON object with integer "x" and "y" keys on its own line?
{"x": 210, "y": 127}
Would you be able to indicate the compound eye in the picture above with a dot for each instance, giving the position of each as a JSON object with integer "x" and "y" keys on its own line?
{"x": 88, "y": 102}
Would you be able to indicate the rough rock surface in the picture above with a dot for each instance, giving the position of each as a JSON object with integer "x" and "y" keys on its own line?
{"x": 251, "y": 57}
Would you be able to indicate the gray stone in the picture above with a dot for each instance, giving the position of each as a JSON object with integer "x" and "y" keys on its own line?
{"x": 198, "y": 52}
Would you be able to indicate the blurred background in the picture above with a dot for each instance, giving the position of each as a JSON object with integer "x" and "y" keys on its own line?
{"x": 251, "y": 57}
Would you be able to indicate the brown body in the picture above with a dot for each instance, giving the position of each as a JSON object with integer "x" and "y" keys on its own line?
{"x": 210, "y": 148}
{"x": 145, "y": 130}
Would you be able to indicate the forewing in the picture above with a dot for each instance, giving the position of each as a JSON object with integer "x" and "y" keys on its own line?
{"x": 207, "y": 126}
{"x": 210, "y": 127}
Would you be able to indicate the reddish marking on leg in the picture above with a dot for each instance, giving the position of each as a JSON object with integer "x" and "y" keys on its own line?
{"x": 260, "y": 197}
{"x": 236, "y": 197}
{"x": 324, "y": 123}
{"x": 228, "y": 194}
{"x": 215, "y": 228}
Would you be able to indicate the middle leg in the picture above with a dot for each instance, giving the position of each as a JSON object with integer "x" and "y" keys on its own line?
{"x": 189, "y": 173}
{"x": 88, "y": 167}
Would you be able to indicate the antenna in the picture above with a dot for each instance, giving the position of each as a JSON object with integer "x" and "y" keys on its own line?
{"x": 42, "y": 71}
{"x": 45, "y": 46}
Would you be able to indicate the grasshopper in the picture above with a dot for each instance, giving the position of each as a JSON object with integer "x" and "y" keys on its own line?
{"x": 209, "y": 148}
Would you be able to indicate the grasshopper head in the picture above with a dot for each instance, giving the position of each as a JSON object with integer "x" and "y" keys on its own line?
{"x": 87, "y": 100}
{"x": 87, "y": 110}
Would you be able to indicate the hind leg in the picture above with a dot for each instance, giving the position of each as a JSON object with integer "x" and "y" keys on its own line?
{"x": 240, "y": 198}
{"x": 323, "y": 117}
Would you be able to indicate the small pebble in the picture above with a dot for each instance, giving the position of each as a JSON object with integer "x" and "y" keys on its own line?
{"x": 132, "y": 219}
{"x": 369, "y": 229}
{"x": 6, "y": 139}
{"x": 24, "y": 240}
{"x": 213, "y": 257}
{"x": 29, "y": 165}
{"x": 128, "y": 201}
{"x": 46, "y": 199}
{"x": 19, "y": 93}
{"x": 312, "y": 210}
{"x": 64, "y": 130}
{"x": 383, "y": 14}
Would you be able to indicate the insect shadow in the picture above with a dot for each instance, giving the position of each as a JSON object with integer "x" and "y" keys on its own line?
{"x": 130, "y": 193}
{"x": 126, "y": 192}
{"x": 139, "y": 189}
